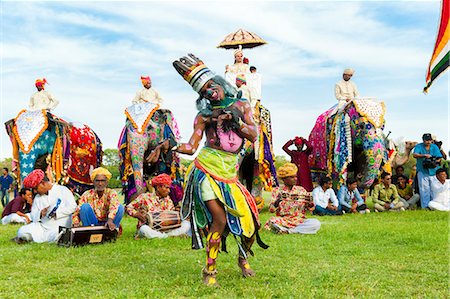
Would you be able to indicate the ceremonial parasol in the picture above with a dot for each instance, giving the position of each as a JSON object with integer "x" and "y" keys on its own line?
{"x": 243, "y": 38}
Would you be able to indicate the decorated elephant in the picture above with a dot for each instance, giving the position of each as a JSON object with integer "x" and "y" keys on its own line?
{"x": 146, "y": 127}
{"x": 41, "y": 140}
{"x": 257, "y": 168}
{"x": 350, "y": 141}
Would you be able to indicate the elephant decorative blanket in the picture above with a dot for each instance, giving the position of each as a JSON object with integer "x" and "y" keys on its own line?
{"x": 140, "y": 114}
{"x": 350, "y": 137}
{"x": 29, "y": 126}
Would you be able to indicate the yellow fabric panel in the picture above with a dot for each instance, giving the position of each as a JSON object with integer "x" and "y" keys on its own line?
{"x": 218, "y": 193}
{"x": 248, "y": 227}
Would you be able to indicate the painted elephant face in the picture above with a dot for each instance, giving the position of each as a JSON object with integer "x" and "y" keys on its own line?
{"x": 369, "y": 147}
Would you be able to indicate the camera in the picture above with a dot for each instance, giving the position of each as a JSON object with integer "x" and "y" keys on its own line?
{"x": 430, "y": 163}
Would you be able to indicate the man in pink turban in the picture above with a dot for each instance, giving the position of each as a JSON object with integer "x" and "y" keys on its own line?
{"x": 52, "y": 207}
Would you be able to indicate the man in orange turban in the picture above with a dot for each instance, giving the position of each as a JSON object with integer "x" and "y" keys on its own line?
{"x": 52, "y": 207}
{"x": 42, "y": 99}
{"x": 148, "y": 94}
{"x": 158, "y": 202}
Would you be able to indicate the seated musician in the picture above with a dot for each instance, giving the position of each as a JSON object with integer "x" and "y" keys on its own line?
{"x": 158, "y": 203}
{"x": 99, "y": 206}
{"x": 290, "y": 204}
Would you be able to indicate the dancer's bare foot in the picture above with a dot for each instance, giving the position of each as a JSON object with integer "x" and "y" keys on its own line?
{"x": 209, "y": 278}
{"x": 245, "y": 268}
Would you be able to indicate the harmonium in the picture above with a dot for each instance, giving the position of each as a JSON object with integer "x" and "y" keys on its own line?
{"x": 83, "y": 235}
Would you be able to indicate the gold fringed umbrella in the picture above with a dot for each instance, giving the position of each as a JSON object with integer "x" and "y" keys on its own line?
{"x": 243, "y": 38}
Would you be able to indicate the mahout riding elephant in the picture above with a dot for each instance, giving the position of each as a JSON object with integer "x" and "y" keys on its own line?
{"x": 146, "y": 127}
{"x": 41, "y": 140}
{"x": 349, "y": 141}
{"x": 257, "y": 168}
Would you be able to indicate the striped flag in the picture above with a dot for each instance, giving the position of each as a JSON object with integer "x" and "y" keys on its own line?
{"x": 439, "y": 59}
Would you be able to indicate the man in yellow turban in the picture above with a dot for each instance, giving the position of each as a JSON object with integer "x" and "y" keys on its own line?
{"x": 148, "y": 94}
{"x": 346, "y": 90}
{"x": 99, "y": 206}
{"x": 290, "y": 204}
{"x": 42, "y": 99}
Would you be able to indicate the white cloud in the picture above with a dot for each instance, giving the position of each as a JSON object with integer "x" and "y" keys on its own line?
{"x": 93, "y": 54}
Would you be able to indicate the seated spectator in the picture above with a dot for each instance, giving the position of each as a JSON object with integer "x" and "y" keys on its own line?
{"x": 399, "y": 170}
{"x": 99, "y": 206}
{"x": 440, "y": 192}
{"x": 385, "y": 195}
{"x": 290, "y": 204}
{"x": 16, "y": 210}
{"x": 153, "y": 203}
{"x": 325, "y": 199}
{"x": 405, "y": 191}
{"x": 52, "y": 207}
{"x": 350, "y": 199}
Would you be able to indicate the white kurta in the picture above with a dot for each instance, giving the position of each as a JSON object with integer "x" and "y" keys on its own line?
{"x": 46, "y": 229}
{"x": 345, "y": 90}
{"x": 248, "y": 93}
{"x": 15, "y": 218}
{"x": 147, "y": 95}
{"x": 440, "y": 195}
{"x": 236, "y": 69}
{"x": 254, "y": 82}
{"x": 43, "y": 100}
{"x": 322, "y": 198}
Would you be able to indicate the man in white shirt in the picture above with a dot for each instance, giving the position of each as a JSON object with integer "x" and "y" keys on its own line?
{"x": 325, "y": 199}
{"x": 52, "y": 207}
{"x": 148, "y": 94}
{"x": 247, "y": 92}
{"x": 42, "y": 99}
{"x": 346, "y": 90}
{"x": 440, "y": 191}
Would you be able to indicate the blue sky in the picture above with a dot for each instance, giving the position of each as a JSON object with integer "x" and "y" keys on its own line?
{"x": 93, "y": 53}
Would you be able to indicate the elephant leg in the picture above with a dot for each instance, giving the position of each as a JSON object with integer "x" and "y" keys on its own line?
{"x": 138, "y": 145}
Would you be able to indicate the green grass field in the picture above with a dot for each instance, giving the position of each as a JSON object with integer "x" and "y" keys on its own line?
{"x": 379, "y": 255}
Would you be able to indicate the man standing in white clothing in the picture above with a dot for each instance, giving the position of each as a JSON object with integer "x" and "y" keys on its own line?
{"x": 148, "y": 94}
{"x": 346, "y": 90}
{"x": 52, "y": 207}
{"x": 42, "y": 99}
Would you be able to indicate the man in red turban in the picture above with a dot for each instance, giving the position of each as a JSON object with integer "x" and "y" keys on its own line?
{"x": 148, "y": 94}
{"x": 42, "y": 99}
{"x": 156, "y": 203}
{"x": 52, "y": 207}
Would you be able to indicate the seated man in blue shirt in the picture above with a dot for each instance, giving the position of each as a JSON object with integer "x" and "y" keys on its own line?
{"x": 349, "y": 198}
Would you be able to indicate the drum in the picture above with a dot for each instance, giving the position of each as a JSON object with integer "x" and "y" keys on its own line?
{"x": 164, "y": 220}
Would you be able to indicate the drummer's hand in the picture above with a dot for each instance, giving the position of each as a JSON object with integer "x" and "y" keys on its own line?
{"x": 165, "y": 145}
{"x": 154, "y": 155}
{"x": 110, "y": 224}
{"x": 142, "y": 217}
{"x": 44, "y": 212}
